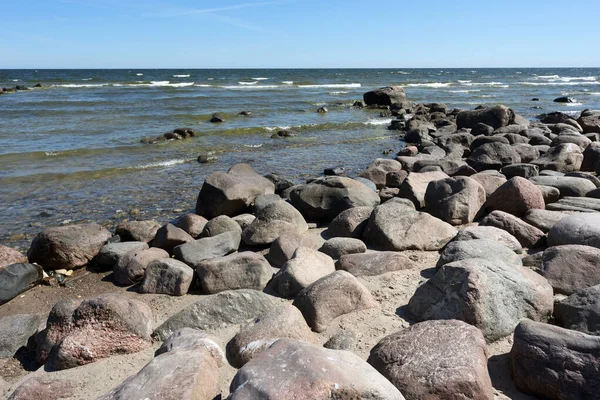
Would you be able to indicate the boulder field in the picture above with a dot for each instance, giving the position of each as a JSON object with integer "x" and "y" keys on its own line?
{"x": 465, "y": 267}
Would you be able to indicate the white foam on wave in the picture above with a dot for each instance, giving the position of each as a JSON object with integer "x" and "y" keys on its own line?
{"x": 168, "y": 163}
{"x": 51, "y": 153}
{"x": 276, "y": 128}
{"x": 332, "y": 85}
{"x": 253, "y": 146}
{"x": 201, "y": 85}
{"x": 573, "y": 104}
{"x": 287, "y": 82}
{"x": 250, "y": 87}
{"x": 260, "y": 79}
{"x": 386, "y": 121}
{"x": 553, "y": 78}
{"x": 459, "y": 81}
{"x": 500, "y": 84}
{"x": 181, "y": 76}
{"x": 210, "y": 79}
{"x": 337, "y": 93}
{"x": 88, "y": 85}
{"x": 570, "y": 83}
{"x": 465, "y": 91}
{"x": 430, "y": 85}
{"x": 165, "y": 84}
{"x": 248, "y": 83}
{"x": 140, "y": 74}
{"x": 402, "y": 72}
{"x": 86, "y": 79}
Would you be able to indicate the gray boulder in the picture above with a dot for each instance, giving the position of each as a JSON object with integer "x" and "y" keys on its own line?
{"x": 137, "y": 231}
{"x": 132, "y": 266}
{"x": 568, "y": 186}
{"x": 373, "y": 263}
{"x": 10, "y": 256}
{"x": 478, "y": 248}
{"x": 192, "y": 223}
{"x": 516, "y": 197}
{"x": 219, "y": 225}
{"x": 454, "y": 200}
{"x": 169, "y": 236}
{"x": 379, "y": 170}
{"x": 576, "y": 204}
{"x": 305, "y": 267}
{"x": 581, "y": 229}
{"x": 565, "y": 157}
{"x": 496, "y": 117}
{"x": 544, "y": 220}
{"x": 580, "y": 311}
{"x": 528, "y": 236}
{"x": 589, "y": 121}
{"x": 15, "y": 332}
{"x": 385, "y": 96}
{"x": 282, "y": 249}
{"x": 350, "y": 223}
{"x": 490, "y": 233}
{"x": 337, "y": 247}
{"x": 272, "y": 221}
{"x": 193, "y": 253}
{"x": 493, "y": 156}
{"x": 415, "y": 186}
{"x": 570, "y": 268}
{"x": 490, "y": 180}
{"x": 16, "y": 278}
{"x": 111, "y": 253}
{"x": 246, "y": 270}
{"x": 167, "y": 276}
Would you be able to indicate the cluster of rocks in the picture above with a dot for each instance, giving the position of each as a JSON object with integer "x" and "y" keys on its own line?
{"x": 512, "y": 207}
{"x": 18, "y": 88}
{"x": 176, "y": 134}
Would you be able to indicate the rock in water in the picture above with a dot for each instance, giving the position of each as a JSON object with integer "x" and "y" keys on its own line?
{"x": 215, "y": 312}
{"x": 285, "y": 321}
{"x": 303, "y": 377}
{"x": 272, "y": 221}
{"x": 331, "y": 296}
{"x": 246, "y": 270}
{"x": 68, "y": 247}
{"x": 435, "y": 359}
{"x": 455, "y": 200}
{"x": 496, "y": 117}
{"x": 231, "y": 193}
{"x": 385, "y": 96}
{"x": 17, "y": 278}
{"x": 555, "y": 363}
{"x": 325, "y": 198}
{"x": 491, "y": 295}
{"x": 394, "y": 227}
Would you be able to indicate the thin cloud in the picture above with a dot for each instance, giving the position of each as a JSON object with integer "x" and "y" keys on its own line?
{"x": 183, "y": 12}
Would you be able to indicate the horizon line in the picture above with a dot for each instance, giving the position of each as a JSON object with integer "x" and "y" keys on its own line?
{"x": 281, "y": 68}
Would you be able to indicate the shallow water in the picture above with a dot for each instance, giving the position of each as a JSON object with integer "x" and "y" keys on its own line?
{"x": 71, "y": 150}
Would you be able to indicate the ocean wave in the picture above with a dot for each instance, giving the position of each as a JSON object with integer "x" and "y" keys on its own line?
{"x": 248, "y": 83}
{"x": 87, "y": 79}
{"x": 500, "y": 84}
{"x": 276, "y": 128}
{"x": 87, "y": 85}
{"x": 332, "y": 85}
{"x": 402, "y": 72}
{"x": 337, "y": 93}
{"x": 465, "y": 91}
{"x": 159, "y": 164}
{"x": 164, "y": 84}
{"x": 260, "y": 79}
{"x": 553, "y": 78}
{"x": 253, "y": 146}
{"x": 252, "y": 87}
{"x": 140, "y": 74}
{"x": 287, "y": 82}
{"x": 210, "y": 79}
{"x": 386, "y": 121}
{"x": 570, "y": 83}
{"x": 430, "y": 85}
{"x": 459, "y": 81}
{"x": 202, "y": 85}
{"x": 51, "y": 153}
{"x": 573, "y": 104}
{"x": 181, "y": 76}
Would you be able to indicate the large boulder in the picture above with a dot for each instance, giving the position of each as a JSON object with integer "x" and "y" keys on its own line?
{"x": 325, "y": 198}
{"x": 337, "y": 247}
{"x": 283, "y": 249}
{"x": 272, "y": 221}
{"x": 415, "y": 185}
{"x": 496, "y": 117}
{"x": 15, "y": 332}
{"x": 491, "y": 295}
{"x": 43, "y": 386}
{"x": 528, "y": 236}
{"x": 589, "y": 121}
{"x": 454, "y": 200}
{"x": 285, "y": 321}
{"x": 169, "y": 236}
{"x": 435, "y": 360}
{"x": 10, "y": 256}
{"x": 567, "y": 185}
{"x": 219, "y": 225}
{"x": 385, "y": 96}
{"x": 305, "y": 267}
{"x": 555, "y": 363}
{"x": 97, "y": 328}
{"x": 111, "y": 253}
{"x": 167, "y": 276}
{"x": 477, "y": 248}
{"x": 565, "y": 157}
{"x": 544, "y": 220}
{"x": 231, "y": 193}
{"x": 67, "y": 247}
{"x": 493, "y": 156}
{"x": 333, "y": 295}
{"x": 581, "y": 229}
{"x": 132, "y": 266}
{"x": 219, "y": 311}
{"x": 580, "y": 311}
{"x": 137, "y": 231}
{"x": 379, "y": 170}
{"x": 350, "y": 223}
{"x": 193, "y": 253}
{"x": 576, "y": 204}
{"x": 395, "y": 227}
{"x": 192, "y": 223}
{"x": 245, "y": 270}
{"x": 498, "y": 235}
{"x": 516, "y": 197}
{"x": 17, "y": 278}
{"x": 373, "y": 263}
{"x": 310, "y": 372}
{"x": 490, "y": 180}
{"x": 570, "y": 268}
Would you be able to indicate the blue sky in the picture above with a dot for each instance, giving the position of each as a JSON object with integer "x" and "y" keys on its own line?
{"x": 298, "y": 34}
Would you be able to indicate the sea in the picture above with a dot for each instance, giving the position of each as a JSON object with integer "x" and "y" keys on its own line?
{"x": 71, "y": 151}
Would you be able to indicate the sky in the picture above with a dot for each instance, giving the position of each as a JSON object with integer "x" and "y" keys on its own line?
{"x": 298, "y": 34}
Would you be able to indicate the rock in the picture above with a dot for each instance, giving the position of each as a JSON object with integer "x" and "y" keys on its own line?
{"x": 285, "y": 321}
{"x": 585, "y": 175}
{"x": 219, "y": 311}
{"x": 490, "y": 295}
{"x": 385, "y": 96}
{"x": 527, "y": 235}
{"x": 489, "y": 233}
{"x": 192, "y": 223}
{"x": 373, "y": 263}
{"x": 181, "y": 374}
{"x": 490, "y": 180}
{"x": 568, "y": 186}
{"x": 272, "y": 221}
{"x": 217, "y": 117}
{"x": 415, "y": 185}
{"x": 337, "y": 247}
{"x": 322, "y": 110}
{"x": 496, "y": 117}
{"x": 98, "y": 328}
{"x": 132, "y": 266}
{"x": 522, "y": 170}
{"x": 544, "y": 220}
{"x": 305, "y": 267}
{"x": 343, "y": 340}
{"x": 395, "y": 227}
{"x": 347, "y": 377}
{"x": 111, "y": 253}
{"x": 329, "y": 297}
{"x": 379, "y": 170}
{"x": 477, "y": 248}
{"x": 193, "y": 253}
{"x": 580, "y": 311}
{"x": 367, "y": 183}
{"x": 15, "y": 331}
{"x": 533, "y": 261}
{"x": 481, "y": 129}
{"x": 167, "y": 276}
{"x": 193, "y": 339}
{"x": 43, "y": 387}
{"x": 527, "y": 152}
{"x": 350, "y": 223}
{"x": 10, "y": 256}
{"x": 169, "y": 236}
{"x": 581, "y": 204}
{"x": 570, "y": 268}
{"x": 493, "y": 156}
{"x": 555, "y": 363}
{"x": 590, "y": 121}
{"x": 16, "y": 278}
{"x": 481, "y": 140}
{"x": 244, "y": 220}
{"x": 454, "y": 200}
{"x": 565, "y": 157}
{"x": 231, "y": 193}
{"x": 246, "y": 270}
{"x": 219, "y": 225}
{"x": 325, "y": 198}
{"x": 416, "y": 361}
{"x": 284, "y": 247}
{"x": 516, "y": 197}
{"x": 581, "y": 229}
{"x": 59, "y": 324}
{"x": 572, "y": 137}
{"x": 551, "y": 194}
{"x": 264, "y": 200}
{"x": 67, "y": 247}
{"x": 137, "y": 231}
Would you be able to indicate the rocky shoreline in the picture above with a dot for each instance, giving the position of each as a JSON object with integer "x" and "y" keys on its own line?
{"x": 465, "y": 267}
